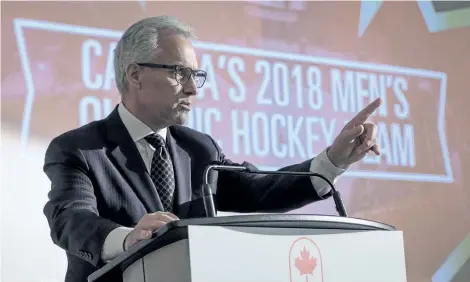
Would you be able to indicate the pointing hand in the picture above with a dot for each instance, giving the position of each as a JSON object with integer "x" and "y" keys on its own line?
{"x": 356, "y": 139}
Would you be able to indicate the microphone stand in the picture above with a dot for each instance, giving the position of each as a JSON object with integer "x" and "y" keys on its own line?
{"x": 209, "y": 201}
{"x": 206, "y": 185}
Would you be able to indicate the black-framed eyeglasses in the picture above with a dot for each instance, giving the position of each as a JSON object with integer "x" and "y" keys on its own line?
{"x": 182, "y": 73}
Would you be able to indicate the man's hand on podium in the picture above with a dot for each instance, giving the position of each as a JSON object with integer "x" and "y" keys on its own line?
{"x": 146, "y": 225}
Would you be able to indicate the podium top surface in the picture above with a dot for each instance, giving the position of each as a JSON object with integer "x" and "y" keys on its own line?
{"x": 283, "y": 221}
{"x": 177, "y": 230}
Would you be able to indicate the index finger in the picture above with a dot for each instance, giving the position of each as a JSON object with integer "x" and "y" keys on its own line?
{"x": 363, "y": 115}
{"x": 161, "y": 216}
{"x": 173, "y": 216}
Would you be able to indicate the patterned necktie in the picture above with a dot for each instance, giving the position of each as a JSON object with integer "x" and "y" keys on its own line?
{"x": 161, "y": 171}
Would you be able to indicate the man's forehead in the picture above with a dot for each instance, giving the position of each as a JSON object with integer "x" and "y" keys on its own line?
{"x": 177, "y": 50}
{"x": 181, "y": 60}
{"x": 173, "y": 40}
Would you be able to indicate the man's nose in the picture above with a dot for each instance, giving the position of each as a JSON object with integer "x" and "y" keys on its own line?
{"x": 190, "y": 87}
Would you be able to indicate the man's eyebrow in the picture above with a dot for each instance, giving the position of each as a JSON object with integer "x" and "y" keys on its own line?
{"x": 179, "y": 63}
{"x": 176, "y": 63}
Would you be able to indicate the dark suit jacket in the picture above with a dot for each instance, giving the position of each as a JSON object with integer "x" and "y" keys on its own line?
{"x": 99, "y": 182}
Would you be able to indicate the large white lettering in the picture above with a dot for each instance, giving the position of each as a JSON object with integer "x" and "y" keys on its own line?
{"x": 278, "y": 79}
{"x": 203, "y": 119}
{"x": 94, "y": 76}
{"x": 260, "y": 134}
{"x": 92, "y": 108}
{"x": 211, "y": 82}
{"x": 397, "y": 145}
{"x": 236, "y": 66}
{"x": 401, "y": 110}
{"x": 353, "y": 90}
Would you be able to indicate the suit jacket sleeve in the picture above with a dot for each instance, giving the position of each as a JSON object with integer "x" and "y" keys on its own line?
{"x": 243, "y": 192}
{"x": 71, "y": 210}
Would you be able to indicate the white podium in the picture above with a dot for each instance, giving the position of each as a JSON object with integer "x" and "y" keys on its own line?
{"x": 264, "y": 248}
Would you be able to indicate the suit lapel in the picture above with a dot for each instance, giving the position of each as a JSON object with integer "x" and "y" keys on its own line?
{"x": 182, "y": 169}
{"x": 128, "y": 159}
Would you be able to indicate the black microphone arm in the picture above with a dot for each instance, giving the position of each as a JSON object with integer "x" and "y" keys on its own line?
{"x": 206, "y": 185}
{"x": 209, "y": 201}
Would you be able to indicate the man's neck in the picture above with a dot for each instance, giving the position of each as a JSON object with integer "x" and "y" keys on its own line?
{"x": 156, "y": 127}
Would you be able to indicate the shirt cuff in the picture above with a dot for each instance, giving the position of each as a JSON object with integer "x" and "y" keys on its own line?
{"x": 321, "y": 164}
{"x": 114, "y": 244}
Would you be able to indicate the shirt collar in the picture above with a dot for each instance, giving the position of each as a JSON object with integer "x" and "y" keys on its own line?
{"x": 136, "y": 128}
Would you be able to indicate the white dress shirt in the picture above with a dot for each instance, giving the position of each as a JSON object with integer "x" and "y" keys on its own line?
{"x": 113, "y": 245}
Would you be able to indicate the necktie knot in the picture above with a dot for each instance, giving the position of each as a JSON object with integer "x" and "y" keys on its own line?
{"x": 155, "y": 140}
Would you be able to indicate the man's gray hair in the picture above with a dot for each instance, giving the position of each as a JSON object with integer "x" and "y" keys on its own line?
{"x": 139, "y": 43}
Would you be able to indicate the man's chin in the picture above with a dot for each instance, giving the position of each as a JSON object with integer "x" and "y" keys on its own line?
{"x": 181, "y": 118}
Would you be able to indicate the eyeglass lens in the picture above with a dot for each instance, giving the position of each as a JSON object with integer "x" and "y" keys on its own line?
{"x": 184, "y": 74}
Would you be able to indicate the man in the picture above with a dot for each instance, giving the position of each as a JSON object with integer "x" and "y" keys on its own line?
{"x": 116, "y": 180}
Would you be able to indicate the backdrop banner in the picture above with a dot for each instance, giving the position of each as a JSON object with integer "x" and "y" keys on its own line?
{"x": 283, "y": 78}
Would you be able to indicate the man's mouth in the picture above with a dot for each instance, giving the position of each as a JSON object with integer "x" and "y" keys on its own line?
{"x": 185, "y": 105}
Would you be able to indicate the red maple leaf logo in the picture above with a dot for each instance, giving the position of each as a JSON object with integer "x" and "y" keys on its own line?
{"x": 305, "y": 264}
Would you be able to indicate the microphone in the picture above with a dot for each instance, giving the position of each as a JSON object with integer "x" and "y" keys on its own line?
{"x": 206, "y": 184}
{"x": 209, "y": 201}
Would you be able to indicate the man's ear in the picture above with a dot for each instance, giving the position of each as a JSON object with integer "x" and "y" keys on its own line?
{"x": 133, "y": 75}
